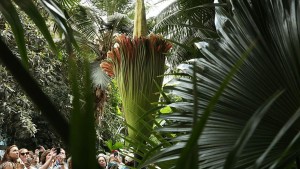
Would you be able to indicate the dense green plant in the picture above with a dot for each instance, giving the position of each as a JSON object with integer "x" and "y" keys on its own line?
{"x": 114, "y": 146}
{"x": 111, "y": 123}
{"x": 81, "y": 132}
{"x": 23, "y": 124}
{"x": 95, "y": 31}
{"x": 240, "y": 105}
{"x": 137, "y": 64}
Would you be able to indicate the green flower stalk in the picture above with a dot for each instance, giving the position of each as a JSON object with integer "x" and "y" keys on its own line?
{"x": 137, "y": 64}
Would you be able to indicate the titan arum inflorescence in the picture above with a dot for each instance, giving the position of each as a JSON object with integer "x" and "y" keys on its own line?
{"x": 138, "y": 65}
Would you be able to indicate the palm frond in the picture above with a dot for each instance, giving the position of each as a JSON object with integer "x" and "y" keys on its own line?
{"x": 186, "y": 22}
{"x": 174, "y": 15}
{"x": 271, "y": 66}
{"x": 88, "y": 21}
{"x": 82, "y": 119}
{"x": 94, "y": 30}
{"x": 57, "y": 12}
{"x": 93, "y": 25}
{"x": 32, "y": 11}
{"x": 9, "y": 12}
{"x": 68, "y": 4}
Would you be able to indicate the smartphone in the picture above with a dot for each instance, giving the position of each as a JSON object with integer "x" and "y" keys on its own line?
{"x": 29, "y": 160}
{"x": 57, "y": 151}
{"x": 116, "y": 154}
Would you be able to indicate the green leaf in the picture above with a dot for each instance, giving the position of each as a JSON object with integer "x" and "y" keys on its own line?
{"x": 30, "y": 9}
{"x": 199, "y": 126}
{"x": 12, "y": 17}
{"x": 166, "y": 109}
{"x": 109, "y": 144}
{"x": 293, "y": 119}
{"x": 249, "y": 130}
{"x": 293, "y": 146}
{"x": 118, "y": 145}
{"x": 82, "y": 120}
{"x": 60, "y": 18}
{"x": 32, "y": 88}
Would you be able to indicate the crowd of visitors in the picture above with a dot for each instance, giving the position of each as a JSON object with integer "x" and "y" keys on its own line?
{"x": 55, "y": 158}
{"x": 115, "y": 161}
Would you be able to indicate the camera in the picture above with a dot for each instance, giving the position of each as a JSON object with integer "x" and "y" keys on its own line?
{"x": 29, "y": 160}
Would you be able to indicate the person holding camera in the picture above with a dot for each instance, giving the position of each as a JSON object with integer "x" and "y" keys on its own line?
{"x": 47, "y": 159}
{"x": 39, "y": 151}
{"x": 53, "y": 159}
{"x": 115, "y": 160}
{"x": 33, "y": 161}
{"x": 60, "y": 161}
{"x": 25, "y": 157}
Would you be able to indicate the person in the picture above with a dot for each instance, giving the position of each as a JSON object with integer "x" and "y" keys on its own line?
{"x": 33, "y": 160}
{"x": 101, "y": 159}
{"x": 24, "y": 156}
{"x": 115, "y": 157}
{"x": 39, "y": 151}
{"x": 60, "y": 161}
{"x": 113, "y": 162}
{"x": 11, "y": 159}
{"x": 69, "y": 161}
{"x": 47, "y": 159}
{"x": 128, "y": 160}
{"x": 113, "y": 165}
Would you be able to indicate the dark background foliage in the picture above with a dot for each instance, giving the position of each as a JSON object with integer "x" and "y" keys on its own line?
{"x": 21, "y": 123}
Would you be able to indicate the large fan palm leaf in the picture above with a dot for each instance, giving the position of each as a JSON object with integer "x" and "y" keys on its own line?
{"x": 255, "y": 121}
{"x": 184, "y": 21}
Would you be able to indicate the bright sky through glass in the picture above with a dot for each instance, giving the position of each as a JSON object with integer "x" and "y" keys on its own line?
{"x": 156, "y": 6}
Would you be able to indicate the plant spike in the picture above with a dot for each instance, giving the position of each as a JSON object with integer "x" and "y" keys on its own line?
{"x": 137, "y": 63}
{"x": 140, "y": 24}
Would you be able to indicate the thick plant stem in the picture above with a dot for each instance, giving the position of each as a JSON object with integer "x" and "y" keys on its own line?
{"x": 140, "y": 24}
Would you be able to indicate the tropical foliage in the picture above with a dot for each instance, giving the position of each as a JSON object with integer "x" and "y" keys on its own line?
{"x": 240, "y": 105}
{"x": 240, "y": 100}
{"x": 21, "y": 122}
{"x": 137, "y": 64}
{"x": 95, "y": 31}
{"x": 81, "y": 133}
{"x": 185, "y": 22}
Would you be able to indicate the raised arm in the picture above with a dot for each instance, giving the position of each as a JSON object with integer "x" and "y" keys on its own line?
{"x": 49, "y": 159}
